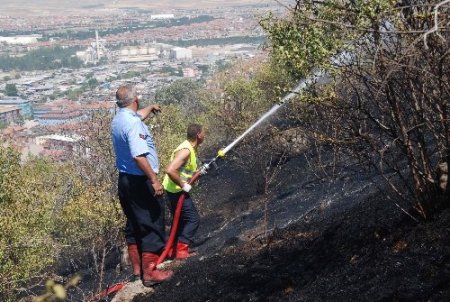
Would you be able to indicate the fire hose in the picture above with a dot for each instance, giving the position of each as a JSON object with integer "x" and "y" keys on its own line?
{"x": 177, "y": 214}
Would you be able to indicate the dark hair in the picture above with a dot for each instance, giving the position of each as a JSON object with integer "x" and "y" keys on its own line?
{"x": 193, "y": 130}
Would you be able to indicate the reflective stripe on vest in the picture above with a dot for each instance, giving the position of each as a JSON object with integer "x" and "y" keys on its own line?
{"x": 186, "y": 171}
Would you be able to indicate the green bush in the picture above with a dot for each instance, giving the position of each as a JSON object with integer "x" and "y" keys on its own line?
{"x": 88, "y": 216}
{"x": 46, "y": 207}
{"x": 26, "y": 246}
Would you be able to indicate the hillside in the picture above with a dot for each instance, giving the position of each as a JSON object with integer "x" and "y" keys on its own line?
{"x": 338, "y": 240}
{"x": 326, "y": 240}
{"x": 344, "y": 196}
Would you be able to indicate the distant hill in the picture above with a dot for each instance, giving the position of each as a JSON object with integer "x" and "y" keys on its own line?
{"x": 46, "y": 7}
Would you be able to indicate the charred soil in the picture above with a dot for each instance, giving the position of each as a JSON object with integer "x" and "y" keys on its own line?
{"x": 311, "y": 241}
{"x": 308, "y": 239}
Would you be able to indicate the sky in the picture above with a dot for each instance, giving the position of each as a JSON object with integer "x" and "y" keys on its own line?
{"x": 13, "y": 7}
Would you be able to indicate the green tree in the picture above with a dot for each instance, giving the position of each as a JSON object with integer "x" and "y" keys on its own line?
{"x": 248, "y": 90}
{"x": 386, "y": 100}
{"x": 11, "y": 90}
{"x": 45, "y": 208}
{"x": 25, "y": 219}
{"x": 185, "y": 93}
{"x": 169, "y": 129}
{"x": 92, "y": 83}
{"x": 42, "y": 59}
{"x": 74, "y": 94}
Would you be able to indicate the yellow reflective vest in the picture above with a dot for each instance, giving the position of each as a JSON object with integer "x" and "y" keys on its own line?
{"x": 186, "y": 171}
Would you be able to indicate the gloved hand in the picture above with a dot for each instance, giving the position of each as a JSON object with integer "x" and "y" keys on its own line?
{"x": 186, "y": 187}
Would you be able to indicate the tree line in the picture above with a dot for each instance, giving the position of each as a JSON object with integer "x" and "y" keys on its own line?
{"x": 218, "y": 41}
{"x": 130, "y": 27}
{"x": 42, "y": 59}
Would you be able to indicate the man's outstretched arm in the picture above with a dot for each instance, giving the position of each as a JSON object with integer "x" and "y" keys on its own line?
{"x": 145, "y": 112}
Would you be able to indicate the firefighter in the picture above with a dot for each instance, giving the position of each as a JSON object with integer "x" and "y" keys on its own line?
{"x": 182, "y": 167}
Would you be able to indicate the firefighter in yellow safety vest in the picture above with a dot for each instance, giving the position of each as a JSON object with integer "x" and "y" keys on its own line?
{"x": 180, "y": 170}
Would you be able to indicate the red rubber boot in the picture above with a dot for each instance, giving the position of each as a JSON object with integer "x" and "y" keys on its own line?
{"x": 183, "y": 251}
{"x": 151, "y": 275}
{"x": 135, "y": 258}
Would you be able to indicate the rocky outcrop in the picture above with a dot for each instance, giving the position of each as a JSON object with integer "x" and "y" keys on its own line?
{"x": 132, "y": 290}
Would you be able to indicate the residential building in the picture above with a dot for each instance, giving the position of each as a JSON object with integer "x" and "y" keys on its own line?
{"x": 180, "y": 53}
{"x": 25, "y": 107}
{"x": 9, "y": 114}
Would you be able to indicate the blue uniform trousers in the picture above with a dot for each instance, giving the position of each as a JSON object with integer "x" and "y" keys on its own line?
{"x": 144, "y": 212}
{"x": 189, "y": 219}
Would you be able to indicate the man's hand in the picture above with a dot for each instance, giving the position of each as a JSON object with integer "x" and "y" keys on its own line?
{"x": 155, "y": 108}
{"x": 144, "y": 165}
{"x": 149, "y": 110}
{"x": 186, "y": 187}
{"x": 158, "y": 188}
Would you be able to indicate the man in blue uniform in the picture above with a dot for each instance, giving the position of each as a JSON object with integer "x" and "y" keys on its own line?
{"x": 138, "y": 186}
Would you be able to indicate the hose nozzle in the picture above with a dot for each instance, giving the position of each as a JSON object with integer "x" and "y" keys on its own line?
{"x": 221, "y": 153}
{"x": 204, "y": 169}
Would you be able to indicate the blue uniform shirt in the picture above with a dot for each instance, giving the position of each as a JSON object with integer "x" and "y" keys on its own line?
{"x": 131, "y": 138}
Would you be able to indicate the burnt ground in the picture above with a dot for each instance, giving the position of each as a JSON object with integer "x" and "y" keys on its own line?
{"x": 309, "y": 240}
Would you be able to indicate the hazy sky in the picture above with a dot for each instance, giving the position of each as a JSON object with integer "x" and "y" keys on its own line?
{"x": 11, "y": 6}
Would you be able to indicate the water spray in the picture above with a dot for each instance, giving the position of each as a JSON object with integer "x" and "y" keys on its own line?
{"x": 301, "y": 85}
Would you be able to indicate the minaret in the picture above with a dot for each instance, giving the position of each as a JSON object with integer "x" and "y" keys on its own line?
{"x": 97, "y": 45}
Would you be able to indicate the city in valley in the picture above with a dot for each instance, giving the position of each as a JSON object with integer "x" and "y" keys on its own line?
{"x": 61, "y": 63}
